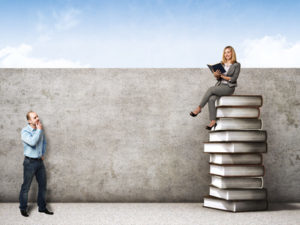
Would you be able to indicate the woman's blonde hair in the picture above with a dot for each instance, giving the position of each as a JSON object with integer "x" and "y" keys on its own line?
{"x": 233, "y": 55}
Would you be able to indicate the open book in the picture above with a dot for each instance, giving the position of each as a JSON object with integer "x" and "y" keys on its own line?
{"x": 216, "y": 67}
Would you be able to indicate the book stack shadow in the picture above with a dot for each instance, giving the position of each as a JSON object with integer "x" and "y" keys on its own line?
{"x": 235, "y": 146}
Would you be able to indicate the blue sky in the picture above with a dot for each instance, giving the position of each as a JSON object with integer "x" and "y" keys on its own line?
{"x": 148, "y": 33}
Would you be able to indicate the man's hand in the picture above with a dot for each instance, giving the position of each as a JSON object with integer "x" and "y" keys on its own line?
{"x": 43, "y": 158}
{"x": 39, "y": 125}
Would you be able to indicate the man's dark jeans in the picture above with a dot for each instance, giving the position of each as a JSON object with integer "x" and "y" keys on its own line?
{"x": 33, "y": 168}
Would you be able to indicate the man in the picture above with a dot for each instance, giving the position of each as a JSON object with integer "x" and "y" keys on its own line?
{"x": 34, "y": 142}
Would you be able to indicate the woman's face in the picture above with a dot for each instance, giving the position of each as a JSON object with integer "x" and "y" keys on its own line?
{"x": 228, "y": 54}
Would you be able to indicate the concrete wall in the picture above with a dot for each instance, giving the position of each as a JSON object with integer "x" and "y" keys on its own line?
{"x": 125, "y": 135}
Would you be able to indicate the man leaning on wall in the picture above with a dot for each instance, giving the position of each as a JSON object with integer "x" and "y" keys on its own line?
{"x": 34, "y": 143}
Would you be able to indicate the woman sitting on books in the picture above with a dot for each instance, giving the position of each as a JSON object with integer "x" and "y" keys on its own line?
{"x": 225, "y": 86}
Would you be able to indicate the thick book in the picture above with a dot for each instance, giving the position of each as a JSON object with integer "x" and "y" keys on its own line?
{"x": 237, "y": 170}
{"x": 221, "y": 158}
{"x": 237, "y": 182}
{"x": 235, "y": 147}
{"x": 237, "y": 112}
{"x": 216, "y": 67}
{"x": 238, "y": 124}
{"x": 240, "y": 100}
{"x": 238, "y": 135}
{"x": 235, "y": 206}
{"x": 238, "y": 194}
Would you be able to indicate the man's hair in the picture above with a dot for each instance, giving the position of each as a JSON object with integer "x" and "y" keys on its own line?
{"x": 28, "y": 115}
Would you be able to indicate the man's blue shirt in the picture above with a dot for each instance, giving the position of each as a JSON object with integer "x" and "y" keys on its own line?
{"x": 34, "y": 142}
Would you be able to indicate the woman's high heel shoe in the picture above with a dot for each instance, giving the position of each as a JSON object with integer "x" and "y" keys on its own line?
{"x": 209, "y": 128}
{"x": 193, "y": 114}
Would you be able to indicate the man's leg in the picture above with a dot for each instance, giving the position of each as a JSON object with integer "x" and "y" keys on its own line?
{"x": 42, "y": 181}
{"x": 28, "y": 173}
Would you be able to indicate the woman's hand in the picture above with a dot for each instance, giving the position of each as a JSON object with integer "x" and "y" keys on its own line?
{"x": 217, "y": 74}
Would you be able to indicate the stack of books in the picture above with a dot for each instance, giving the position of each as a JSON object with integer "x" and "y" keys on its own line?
{"x": 235, "y": 146}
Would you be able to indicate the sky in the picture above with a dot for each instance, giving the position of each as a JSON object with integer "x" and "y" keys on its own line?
{"x": 148, "y": 34}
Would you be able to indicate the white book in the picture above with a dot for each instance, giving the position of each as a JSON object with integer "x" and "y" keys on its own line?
{"x": 218, "y": 158}
{"x": 237, "y": 112}
{"x": 235, "y": 147}
{"x": 237, "y": 182}
{"x": 237, "y": 170}
{"x": 240, "y": 100}
{"x": 238, "y": 135}
{"x": 238, "y": 124}
{"x": 235, "y": 206}
{"x": 238, "y": 194}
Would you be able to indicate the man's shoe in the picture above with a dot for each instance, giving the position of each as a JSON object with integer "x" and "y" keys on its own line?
{"x": 46, "y": 211}
{"x": 24, "y": 213}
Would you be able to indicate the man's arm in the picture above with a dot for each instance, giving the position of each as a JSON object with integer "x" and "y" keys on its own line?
{"x": 44, "y": 145}
{"x": 31, "y": 139}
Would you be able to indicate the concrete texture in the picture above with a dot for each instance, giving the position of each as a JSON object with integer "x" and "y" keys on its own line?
{"x": 125, "y": 135}
{"x": 148, "y": 213}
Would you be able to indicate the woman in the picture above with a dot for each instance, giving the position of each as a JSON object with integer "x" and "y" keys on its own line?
{"x": 225, "y": 86}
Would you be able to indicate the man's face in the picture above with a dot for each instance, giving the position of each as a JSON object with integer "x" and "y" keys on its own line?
{"x": 34, "y": 118}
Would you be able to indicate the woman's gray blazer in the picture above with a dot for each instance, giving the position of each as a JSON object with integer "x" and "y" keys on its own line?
{"x": 233, "y": 73}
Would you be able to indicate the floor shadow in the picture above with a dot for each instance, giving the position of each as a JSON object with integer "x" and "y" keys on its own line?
{"x": 31, "y": 207}
{"x": 280, "y": 206}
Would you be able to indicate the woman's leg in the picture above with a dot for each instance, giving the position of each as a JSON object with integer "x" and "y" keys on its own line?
{"x": 220, "y": 90}
{"x": 204, "y": 100}
{"x": 212, "y": 107}
{"x": 211, "y": 95}
{"x": 206, "y": 96}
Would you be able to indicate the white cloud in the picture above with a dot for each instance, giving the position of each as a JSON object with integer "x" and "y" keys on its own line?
{"x": 270, "y": 51}
{"x": 159, "y": 52}
{"x": 20, "y": 57}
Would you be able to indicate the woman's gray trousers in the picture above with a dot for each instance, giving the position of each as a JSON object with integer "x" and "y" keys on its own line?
{"x": 212, "y": 94}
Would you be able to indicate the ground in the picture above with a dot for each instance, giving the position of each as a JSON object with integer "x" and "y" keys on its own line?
{"x": 147, "y": 213}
